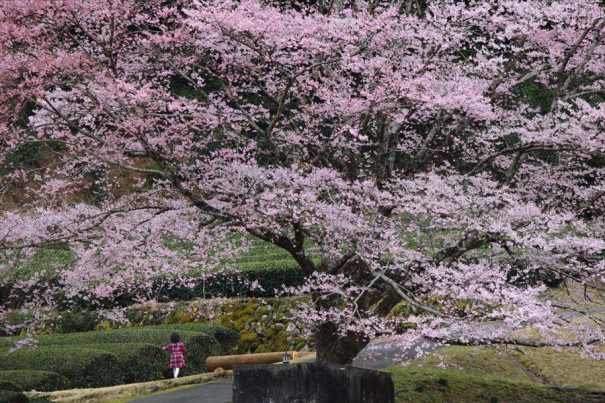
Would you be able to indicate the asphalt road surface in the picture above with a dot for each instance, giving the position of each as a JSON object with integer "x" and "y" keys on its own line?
{"x": 214, "y": 392}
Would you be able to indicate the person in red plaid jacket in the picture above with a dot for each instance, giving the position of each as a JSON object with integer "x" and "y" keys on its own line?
{"x": 177, "y": 353}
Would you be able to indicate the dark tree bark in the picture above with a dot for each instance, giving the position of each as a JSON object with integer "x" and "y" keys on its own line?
{"x": 331, "y": 347}
{"x": 342, "y": 349}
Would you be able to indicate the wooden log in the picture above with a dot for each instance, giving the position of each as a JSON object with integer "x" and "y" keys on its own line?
{"x": 229, "y": 361}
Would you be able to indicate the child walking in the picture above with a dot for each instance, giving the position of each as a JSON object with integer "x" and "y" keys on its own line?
{"x": 177, "y": 353}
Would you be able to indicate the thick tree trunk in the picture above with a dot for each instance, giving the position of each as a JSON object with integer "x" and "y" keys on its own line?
{"x": 342, "y": 349}
{"x": 331, "y": 347}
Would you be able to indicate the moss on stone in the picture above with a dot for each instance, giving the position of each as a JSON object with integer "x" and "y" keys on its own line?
{"x": 181, "y": 316}
{"x": 251, "y": 306}
{"x": 263, "y": 348}
{"x": 249, "y": 336}
{"x": 270, "y": 332}
{"x": 267, "y": 317}
{"x": 105, "y": 325}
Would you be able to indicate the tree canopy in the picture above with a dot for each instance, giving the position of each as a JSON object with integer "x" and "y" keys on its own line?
{"x": 448, "y": 154}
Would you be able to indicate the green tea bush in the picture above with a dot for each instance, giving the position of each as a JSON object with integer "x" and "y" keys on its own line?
{"x": 71, "y": 322}
{"x": 198, "y": 345}
{"x": 6, "y": 385}
{"x": 43, "y": 381}
{"x": 271, "y": 276}
{"x": 85, "y": 368}
{"x": 8, "y": 396}
{"x": 227, "y": 338}
{"x": 197, "y": 349}
{"x": 140, "y": 362}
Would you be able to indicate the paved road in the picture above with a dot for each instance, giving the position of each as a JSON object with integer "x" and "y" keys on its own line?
{"x": 215, "y": 392}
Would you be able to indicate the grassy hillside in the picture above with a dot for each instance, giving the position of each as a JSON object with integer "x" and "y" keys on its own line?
{"x": 504, "y": 374}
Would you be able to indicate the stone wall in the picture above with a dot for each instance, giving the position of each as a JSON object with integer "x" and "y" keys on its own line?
{"x": 265, "y": 324}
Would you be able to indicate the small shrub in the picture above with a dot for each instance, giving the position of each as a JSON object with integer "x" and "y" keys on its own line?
{"x": 26, "y": 156}
{"x": 140, "y": 362}
{"x": 8, "y": 396}
{"x": 197, "y": 349}
{"x": 71, "y": 322}
{"x": 6, "y": 385}
{"x": 86, "y": 368}
{"x": 43, "y": 381}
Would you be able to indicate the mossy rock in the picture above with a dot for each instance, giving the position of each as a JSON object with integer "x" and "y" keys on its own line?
{"x": 401, "y": 310}
{"x": 106, "y": 325}
{"x": 263, "y": 348}
{"x": 240, "y": 324}
{"x": 282, "y": 338}
{"x": 179, "y": 316}
{"x": 251, "y": 307}
{"x": 266, "y": 317}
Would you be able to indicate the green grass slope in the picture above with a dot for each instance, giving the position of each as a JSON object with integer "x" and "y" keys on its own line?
{"x": 489, "y": 374}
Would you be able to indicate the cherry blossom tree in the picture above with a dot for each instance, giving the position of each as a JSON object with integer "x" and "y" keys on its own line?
{"x": 449, "y": 155}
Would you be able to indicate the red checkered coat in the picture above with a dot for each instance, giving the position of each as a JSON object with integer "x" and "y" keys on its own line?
{"x": 177, "y": 354}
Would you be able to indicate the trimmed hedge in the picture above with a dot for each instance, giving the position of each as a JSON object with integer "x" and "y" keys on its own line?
{"x": 198, "y": 345}
{"x": 6, "y": 385}
{"x": 271, "y": 276}
{"x": 197, "y": 349}
{"x": 72, "y": 322}
{"x": 8, "y": 396}
{"x": 140, "y": 362}
{"x": 266, "y": 256}
{"x": 85, "y": 368}
{"x": 43, "y": 381}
